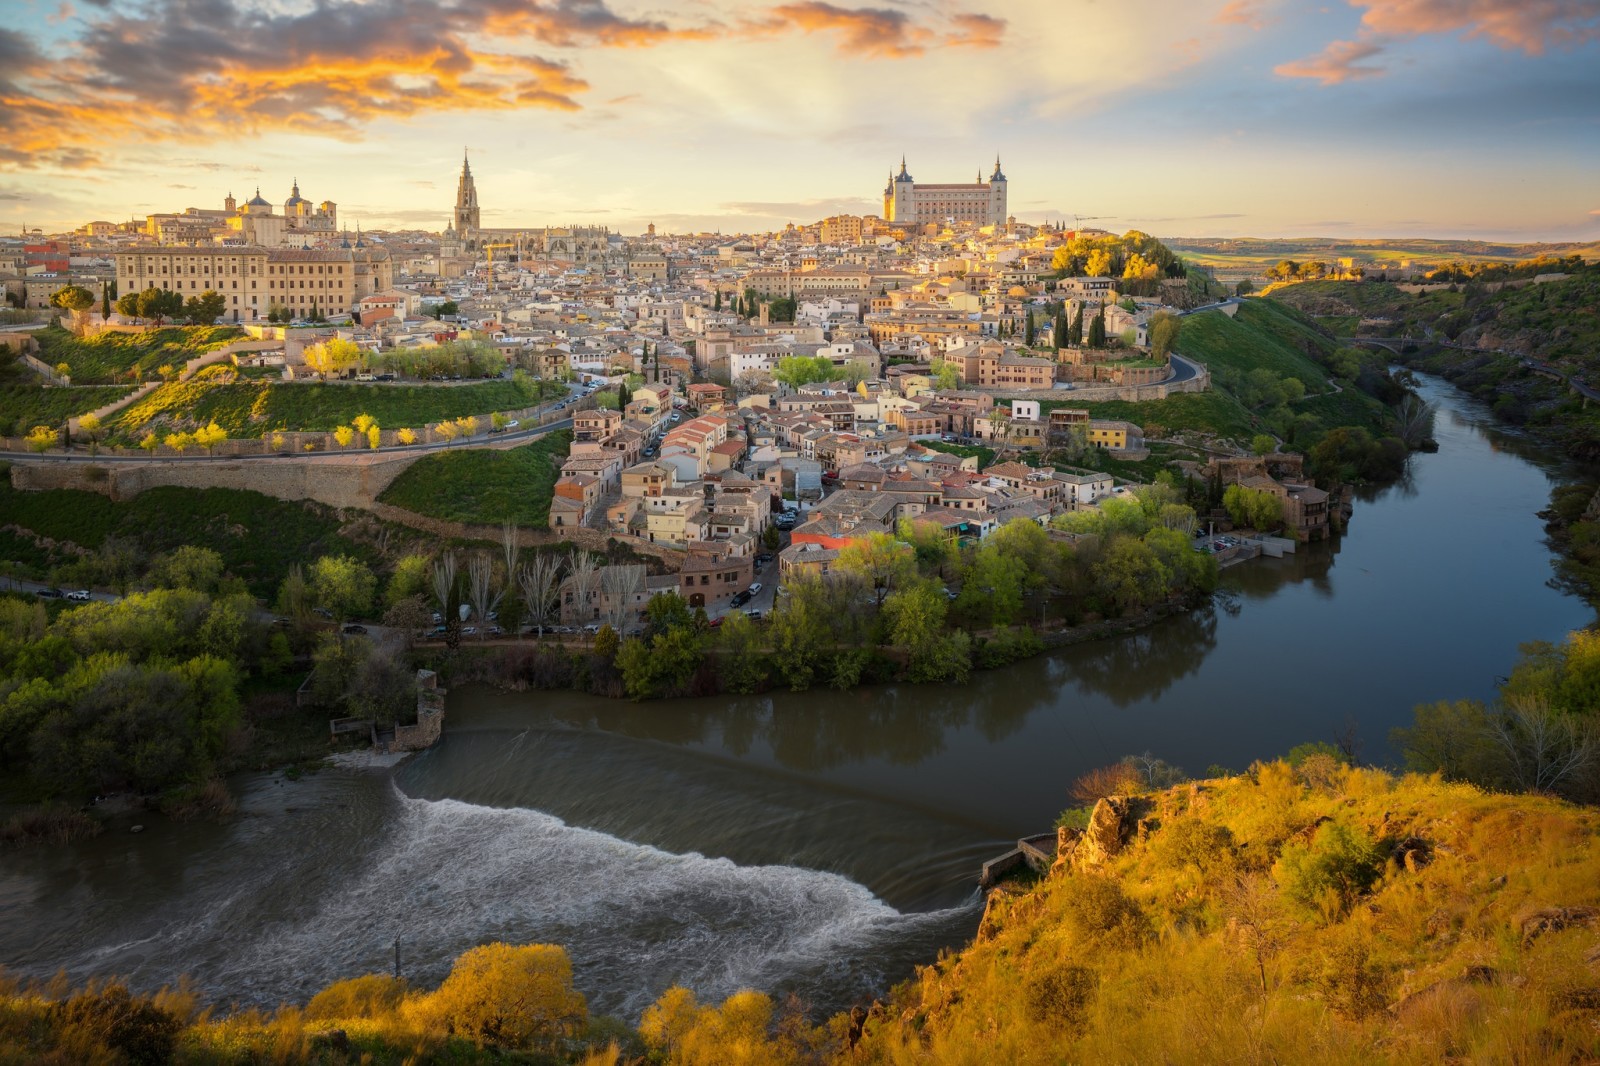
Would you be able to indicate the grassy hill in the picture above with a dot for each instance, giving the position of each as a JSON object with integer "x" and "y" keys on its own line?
{"x": 1249, "y": 356}
{"x": 247, "y": 408}
{"x": 1556, "y": 322}
{"x": 481, "y": 486}
{"x": 1320, "y": 914}
{"x": 24, "y": 406}
{"x": 1249, "y": 256}
{"x": 110, "y": 356}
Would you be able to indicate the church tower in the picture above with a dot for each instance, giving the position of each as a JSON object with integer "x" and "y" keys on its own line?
{"x": 998, "y": 212}
{"x": 466, "y": 215}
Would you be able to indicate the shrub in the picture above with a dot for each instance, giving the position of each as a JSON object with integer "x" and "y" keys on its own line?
{"x": 1324, "y": 877}
{"x": 1192, "y": 842}
{"x": 144, "y": 1033}
{"x": 370, "y": 996}
{"x": 1118, "y": 779}
{"x": 1059, "y": 994}
{"x": 510, "y": 996}
{"x": 1101, "y": 915}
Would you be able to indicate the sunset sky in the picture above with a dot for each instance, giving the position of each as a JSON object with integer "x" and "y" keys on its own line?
{"x": 1435, "y": 118}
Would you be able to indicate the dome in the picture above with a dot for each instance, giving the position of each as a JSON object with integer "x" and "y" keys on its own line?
{"x": 294, "y": 195}
{"x": 258, "y": 200}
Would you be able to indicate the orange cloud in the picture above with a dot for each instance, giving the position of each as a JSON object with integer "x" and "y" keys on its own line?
{"x": 1340, "y": 61}
{"x": 975, "y": 31}
{"x": 1240, "y": 13}
{"x": 868, "y": 31}
{"x": 195, "y": 69}
{"x": 1531, "y": 25}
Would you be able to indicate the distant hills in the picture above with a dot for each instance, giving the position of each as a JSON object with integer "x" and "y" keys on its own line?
{"x": 1237, "y": 257}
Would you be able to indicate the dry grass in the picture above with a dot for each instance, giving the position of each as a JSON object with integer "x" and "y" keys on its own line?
{"x": 1430, "y": 964}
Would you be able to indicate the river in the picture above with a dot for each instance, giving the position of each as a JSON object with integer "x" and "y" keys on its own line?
{"x": 817, "y": 843}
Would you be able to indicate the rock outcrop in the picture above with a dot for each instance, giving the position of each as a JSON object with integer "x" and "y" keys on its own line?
{"x": 1111, "y": 824}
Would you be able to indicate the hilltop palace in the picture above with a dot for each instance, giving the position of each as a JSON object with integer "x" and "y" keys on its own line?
{"x": 982, "y": 203}
{"x": 580, "y": 245}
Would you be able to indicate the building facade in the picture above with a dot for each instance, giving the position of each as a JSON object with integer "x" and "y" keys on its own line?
{"x": 253, "y": 281}
{"x": 981, "y": 203}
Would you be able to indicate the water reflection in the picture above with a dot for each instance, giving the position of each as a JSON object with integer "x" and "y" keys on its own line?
{"x": 1143, "y": 665}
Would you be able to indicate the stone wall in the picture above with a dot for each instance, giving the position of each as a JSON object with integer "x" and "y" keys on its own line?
{"x": 430, "y": 716}
{"x": 338, "y": 484}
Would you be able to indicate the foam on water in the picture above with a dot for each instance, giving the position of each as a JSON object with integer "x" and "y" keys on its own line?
{"x": 446, "y": 875}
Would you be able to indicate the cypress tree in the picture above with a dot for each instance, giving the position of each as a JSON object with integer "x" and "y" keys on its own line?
{"x": 1097, "y": 329}
{"x": 1075, "y": 334}
{"x": 1027, "y": 335}
{"x": 1060, "y": 338}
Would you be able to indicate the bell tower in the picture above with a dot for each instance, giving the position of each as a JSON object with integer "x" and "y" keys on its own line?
{"x": 466, "y": 213}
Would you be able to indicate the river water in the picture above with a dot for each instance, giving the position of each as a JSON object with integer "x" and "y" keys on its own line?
{"x": 819, "y": 843}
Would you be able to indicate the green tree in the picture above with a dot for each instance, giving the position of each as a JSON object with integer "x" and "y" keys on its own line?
{"x": 797, "y": 370}
{"x": 802, "y": 631}
{"x": 343, "y": 585}
{"x": 666, "y": 611}
{"x": 1027, "y": 328}
{"x": 1164, "y": 330}
{"x": 915, "y": 613}
{"x": 206, "y": 308}
{"x": 127, "y": 305}
{"x": 412, "y": 576}
{"x": 448, "y": 307}
{"x": 1059, "y": 338}
{"x": 740, "y": 665}
{"x": 1097, "y": 328}
{"x": 1130, "y": 575}
{"x": 74, "y": 298}
{"x": 1263, "y": 444}
{"x": 879, "y": 561}
{"x": 209, "y": 436}
{"x": 188, "y": 567}
{"x": 1075, "y": 334}
{"x": 159, "y": 304}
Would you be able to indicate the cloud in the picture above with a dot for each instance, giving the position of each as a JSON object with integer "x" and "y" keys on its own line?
{"x": 1340, "y": 61}
{"x": 868, "y": 31}
{"x": 1529, "y": 25}
{"x": 975, "y": 31}
{"x": 1241, "y": 13}
{"x": 189, "y": 70}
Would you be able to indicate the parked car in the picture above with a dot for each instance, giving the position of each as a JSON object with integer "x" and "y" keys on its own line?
{"x": 755, "y": 587}
{"x": 324, "y": 612}
{"x": 469, "y": 631}
{"x": 514, "y": 423}
{"x": 754, "y": 614}
{"x": 355, "y": 630}
{"x": 740, "y": 599}
{"x": 496, "y": 631}
{"x": 592, "y": 628}
{"x": 79, "y": 594}
{"x": 50, "y": 594}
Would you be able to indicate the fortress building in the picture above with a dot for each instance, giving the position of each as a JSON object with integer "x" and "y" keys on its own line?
{"x": 982, "y": 203}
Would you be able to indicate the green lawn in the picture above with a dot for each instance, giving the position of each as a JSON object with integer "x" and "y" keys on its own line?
{"x": 482, "y": 486}
{"x": 110, "y": 356}
{"x": 253, "y": 408}
{"x": 24, "y": 406}
{"x": 1263, "y": 334}
{"x": 259, "y": 537}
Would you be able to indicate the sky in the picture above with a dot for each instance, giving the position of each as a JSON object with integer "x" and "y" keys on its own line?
{"x": 1264, "y": 118}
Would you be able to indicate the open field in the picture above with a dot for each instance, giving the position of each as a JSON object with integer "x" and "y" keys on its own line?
{"x": 1250, "y": 256}
{"x": 482, "y": 486}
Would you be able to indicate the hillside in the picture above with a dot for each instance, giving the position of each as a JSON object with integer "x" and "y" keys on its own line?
{"x": 251, "y": 408}
{"x": 482, "y": 486}
{"x": 1318, "y": 914}
{"x": 130, "y": 356}
{"x": 1554, "y": 322}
